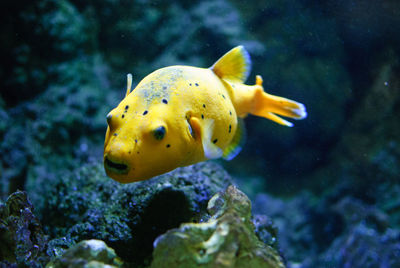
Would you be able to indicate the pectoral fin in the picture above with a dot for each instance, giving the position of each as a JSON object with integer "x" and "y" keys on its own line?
{"x": 204, "y": 129}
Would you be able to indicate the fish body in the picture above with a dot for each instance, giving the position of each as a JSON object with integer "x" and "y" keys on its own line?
{"x": 181, "y": 115}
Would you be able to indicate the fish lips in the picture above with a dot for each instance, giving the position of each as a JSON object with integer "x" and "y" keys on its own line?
{"x": 115, "y": 167}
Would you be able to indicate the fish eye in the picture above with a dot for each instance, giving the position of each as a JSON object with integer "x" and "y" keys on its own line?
{"x": 159, "y": 133}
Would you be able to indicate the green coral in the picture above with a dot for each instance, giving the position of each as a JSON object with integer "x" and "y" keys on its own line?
{"x": 226, "y": 240}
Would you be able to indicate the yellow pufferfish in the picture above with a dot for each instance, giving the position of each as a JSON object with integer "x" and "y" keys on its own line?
{"x": 181, "y": 115}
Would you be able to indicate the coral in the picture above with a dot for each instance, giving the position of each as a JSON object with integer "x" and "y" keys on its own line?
{"x": 226, "y": 240}
{"x": 87, "y": 253}
{"x": 23, "y": 242}
{"x": 87, "y": 205}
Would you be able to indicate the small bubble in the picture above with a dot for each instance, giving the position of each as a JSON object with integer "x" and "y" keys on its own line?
{"x": 386, "y": 83}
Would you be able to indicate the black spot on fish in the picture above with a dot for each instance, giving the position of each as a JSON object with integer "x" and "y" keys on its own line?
{"x": 138, "y": 152}
{"x": 126, "y": 107}
{"x": 230, "y": 112}
{"x": 145, "y": 112}
{"x": 115, "y": 134}
{"x": 123, "y": 116}
{"x": 135, "y": 141}
{"x": 165, "y": 101}
{"x": 190, "y": 84}
{"x": 215, "y": 141}
{"x": 168, "y": 145}
{"x": 230, "y": 128}
{"x": 204, "y": 106}
{"x": 202, "y": 116}
{"x": 196, "y": 84}
{"x": 129, "y": 152}
{"x": 223, "y": 96}
{"x": 164, "y": 87}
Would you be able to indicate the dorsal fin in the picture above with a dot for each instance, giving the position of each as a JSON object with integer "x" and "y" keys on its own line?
{"x": 128, "y": 84}
{"x": 234, "y": 66}
{"x": 237, "y": 142}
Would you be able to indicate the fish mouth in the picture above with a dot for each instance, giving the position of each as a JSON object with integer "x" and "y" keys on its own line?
{"x": 119, "y": 168}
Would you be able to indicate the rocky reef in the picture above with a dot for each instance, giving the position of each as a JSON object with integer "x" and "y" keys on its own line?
{"x": 129, "y": 218}
{"x": 227, "y": 239}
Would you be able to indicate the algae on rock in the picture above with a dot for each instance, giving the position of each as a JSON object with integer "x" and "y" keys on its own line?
{"x": 87, "y": 253}
{"x": 226, "y": 240}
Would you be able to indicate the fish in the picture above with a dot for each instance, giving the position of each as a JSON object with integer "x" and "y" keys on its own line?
{"x": 181, "y": 115}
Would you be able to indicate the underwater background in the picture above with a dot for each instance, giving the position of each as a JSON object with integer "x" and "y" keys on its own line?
{"x": 325, "y": 193}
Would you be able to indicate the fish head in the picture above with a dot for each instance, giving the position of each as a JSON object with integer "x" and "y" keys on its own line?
{"x": 141, "y": 145}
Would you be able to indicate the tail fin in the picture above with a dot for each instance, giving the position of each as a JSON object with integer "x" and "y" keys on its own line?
{"x": 270, "y": 106}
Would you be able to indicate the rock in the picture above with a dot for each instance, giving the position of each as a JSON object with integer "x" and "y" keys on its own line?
{"x": 266, "y": 230}
{"x": 294, "y": 222}
{"x": 23, "y": 242}
{"x": 363, "y": 246}
{"x": 339, "y": 229}
{"x": 87, "y": 204}
{"x": 226, "y": 240}
{"x": 88, "y": 253}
